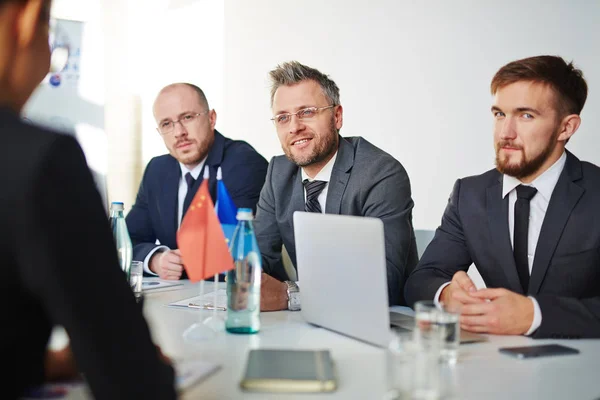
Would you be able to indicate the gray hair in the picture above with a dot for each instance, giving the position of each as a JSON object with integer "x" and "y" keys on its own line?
{"x": 292, "y": 72}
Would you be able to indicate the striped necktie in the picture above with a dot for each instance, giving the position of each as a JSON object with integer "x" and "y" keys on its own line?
{"x": 313, "y": 189}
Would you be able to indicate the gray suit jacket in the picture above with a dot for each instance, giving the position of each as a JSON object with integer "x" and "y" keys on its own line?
{"x": 565, "y": 278}
{"x": 365, "y": 181}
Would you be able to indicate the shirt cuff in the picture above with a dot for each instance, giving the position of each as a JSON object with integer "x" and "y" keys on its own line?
{"x": 537, "y": 317}
{"x": 436, "y": 298}
{"x": 149, "y": 256}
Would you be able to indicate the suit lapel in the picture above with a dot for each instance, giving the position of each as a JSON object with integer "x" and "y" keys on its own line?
{"x": 214, "y": 160}
{"x": 297, "y": 200}
{"x": 497, "y": 210}
{"x": 339, "y": 177}
{"x": 565, "y": 196}
{"x": 167, "y": 203}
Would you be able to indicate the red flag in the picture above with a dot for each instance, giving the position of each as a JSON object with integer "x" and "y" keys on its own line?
{"x": 201, "y": 240}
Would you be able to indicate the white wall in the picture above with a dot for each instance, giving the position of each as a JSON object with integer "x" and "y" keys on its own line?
{"x": 414, "y": 76}
{"x": 131, "y": 49}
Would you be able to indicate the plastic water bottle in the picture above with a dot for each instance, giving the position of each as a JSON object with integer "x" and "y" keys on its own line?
{"x": 121, "y": 236}
{"x": 243, "y": 282}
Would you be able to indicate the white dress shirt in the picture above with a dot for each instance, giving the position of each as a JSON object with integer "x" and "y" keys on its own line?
{"x": 182, "y": 191}
{"x": 325, "y": 176}
{"x": 545, "y": 184}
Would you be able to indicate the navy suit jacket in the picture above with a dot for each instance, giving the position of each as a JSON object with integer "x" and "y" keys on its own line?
{"x": 154, "y": 214}
{"x": 565, "y": 278}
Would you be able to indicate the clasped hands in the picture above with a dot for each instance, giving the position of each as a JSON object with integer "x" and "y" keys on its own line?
{"x": 496, "y": 311}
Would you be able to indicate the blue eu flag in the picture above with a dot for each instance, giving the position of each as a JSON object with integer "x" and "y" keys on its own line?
{"x": 226, "y": 210}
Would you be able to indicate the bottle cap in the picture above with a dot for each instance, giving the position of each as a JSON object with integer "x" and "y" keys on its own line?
{"x": 244, "y": 214}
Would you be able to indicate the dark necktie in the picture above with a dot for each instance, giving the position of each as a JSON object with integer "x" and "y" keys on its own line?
{"x": 524, "y": 196}
{"x": 189, "y": 196}
{"x": 313, "y": 189}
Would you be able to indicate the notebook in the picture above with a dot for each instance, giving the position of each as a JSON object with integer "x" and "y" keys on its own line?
{"x": 289, "y": 371}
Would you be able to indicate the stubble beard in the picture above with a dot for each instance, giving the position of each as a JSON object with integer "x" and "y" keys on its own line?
{"x": 320, "y": 152}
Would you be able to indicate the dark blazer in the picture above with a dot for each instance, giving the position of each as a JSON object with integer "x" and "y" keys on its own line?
{"x": 365, "y": 181}
{"x": 565, "y": 278}
{"x": 60, "y": 267}
{"x": 154, "y": 214}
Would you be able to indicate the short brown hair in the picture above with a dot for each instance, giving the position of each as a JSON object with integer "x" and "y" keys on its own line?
{"x": 567, "y": 81}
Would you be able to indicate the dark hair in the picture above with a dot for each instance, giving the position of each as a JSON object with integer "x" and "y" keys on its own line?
{"x": 3, "y": 2}
{"x": 567, "y": 81}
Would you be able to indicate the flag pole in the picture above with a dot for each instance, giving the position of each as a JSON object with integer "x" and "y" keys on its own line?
{"x": 215, "y": 296}
{"x": 216, "y": 278}
{"x": 199, "y": 332}
{"x": 205, "y": 177}
{"x": 214, "y": 322}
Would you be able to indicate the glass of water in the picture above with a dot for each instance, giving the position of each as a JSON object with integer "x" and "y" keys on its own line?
{"x": 439, "y": 322}
{"x": 135, "y": 278}
{"x": 414, "y": 369}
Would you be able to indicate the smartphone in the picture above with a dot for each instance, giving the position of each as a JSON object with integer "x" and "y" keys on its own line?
{"x": 544, "y": 350}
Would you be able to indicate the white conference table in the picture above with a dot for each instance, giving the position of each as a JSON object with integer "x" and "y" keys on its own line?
{"x": 481, "y": 372}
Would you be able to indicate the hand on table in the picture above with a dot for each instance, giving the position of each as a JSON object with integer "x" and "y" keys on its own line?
{"x": 273, "y": 294}
{"x": 167, "y": 264}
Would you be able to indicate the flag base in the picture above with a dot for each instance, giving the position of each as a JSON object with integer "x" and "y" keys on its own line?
{"x": 199, "y": 332}
{"x": 216, "y": 323}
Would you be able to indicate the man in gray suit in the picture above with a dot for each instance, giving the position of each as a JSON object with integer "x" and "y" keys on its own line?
{"x": 324, "y": 172}
{"x": 532, "y": 225}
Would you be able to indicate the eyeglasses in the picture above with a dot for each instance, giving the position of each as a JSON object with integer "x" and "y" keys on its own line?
{"x": 282, "y": 120}
{"x": 167, "y": 127}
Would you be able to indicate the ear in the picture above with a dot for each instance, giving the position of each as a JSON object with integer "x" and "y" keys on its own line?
{"x": 569, "y": 126}
{"x": 212, "y": 114}
{"x": 27, "y": 21}
{"x": 339, "y": 117}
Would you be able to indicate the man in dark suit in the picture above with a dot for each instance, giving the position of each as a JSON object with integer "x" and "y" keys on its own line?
{"x": 187, "y": 126}
{"x": 324, "y": 172}
{"x": 532, "y": 225}
{"x": 55, "y": 242}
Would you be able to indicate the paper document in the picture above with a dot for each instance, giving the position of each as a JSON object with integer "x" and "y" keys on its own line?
{"x": 190, "y": 372}
{"x": 152, "y": 283}
{"x": 206, "y": 301}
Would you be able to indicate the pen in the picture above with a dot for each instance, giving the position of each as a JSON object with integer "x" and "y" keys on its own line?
{"x": 206, "y": 306}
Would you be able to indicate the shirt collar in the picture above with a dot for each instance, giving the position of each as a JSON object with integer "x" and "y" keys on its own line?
{"x": 544, "y": 183}
{"x": 325, "y": 172}
{"x": 195, "y": 171}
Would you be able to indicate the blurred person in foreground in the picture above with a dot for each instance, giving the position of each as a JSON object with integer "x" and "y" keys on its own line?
{"x": 56, "y": 242}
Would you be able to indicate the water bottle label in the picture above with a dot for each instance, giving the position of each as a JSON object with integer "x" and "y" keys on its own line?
{"x": 246, "y": 281}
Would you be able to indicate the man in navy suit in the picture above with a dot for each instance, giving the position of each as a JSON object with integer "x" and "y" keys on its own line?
{"x": 532, "y": 225}
{"x": 187, "y": 126}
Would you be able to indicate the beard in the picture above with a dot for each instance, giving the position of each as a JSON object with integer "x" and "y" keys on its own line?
{"x": 327, "y": 145}
{"x": 525, "y": 167}
{"x": 195, "y": 154}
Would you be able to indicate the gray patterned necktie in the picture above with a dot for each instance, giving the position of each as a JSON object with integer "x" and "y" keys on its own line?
{"x": 313, "y": 189}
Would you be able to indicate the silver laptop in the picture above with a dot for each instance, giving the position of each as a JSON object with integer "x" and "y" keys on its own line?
{"x": 342, "y": 276}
